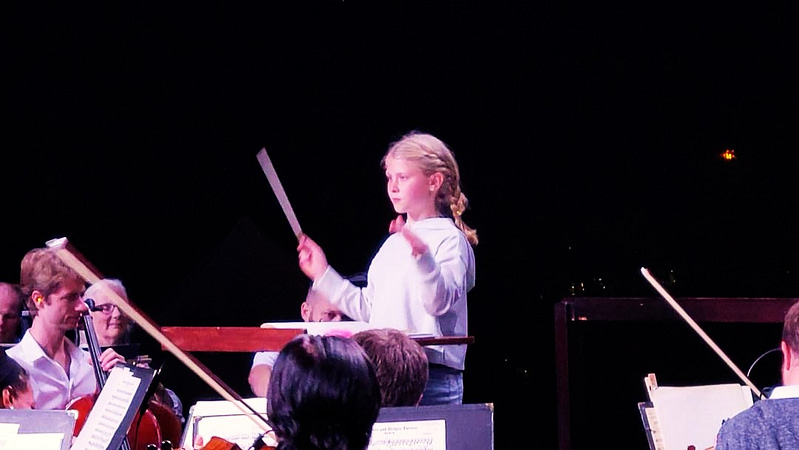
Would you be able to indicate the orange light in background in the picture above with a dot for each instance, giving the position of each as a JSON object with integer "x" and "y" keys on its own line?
{"x": 728, "y": 154}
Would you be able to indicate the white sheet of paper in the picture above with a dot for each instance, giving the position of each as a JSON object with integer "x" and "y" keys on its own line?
{"x": 692, "y": 415}
{"x": 322, "y": 328}
{"x": 40, "y": 441}
{"x": 236, "y": 428}
{"x": 8, "y": 435}
{"x": 416, "y": 435}
{"x": 108, "y": 411}
{"x": 205, "y": 413}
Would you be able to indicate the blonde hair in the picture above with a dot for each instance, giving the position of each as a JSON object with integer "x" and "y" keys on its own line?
{"x": 433, "y": 156}
{"x": 41, "y": 269}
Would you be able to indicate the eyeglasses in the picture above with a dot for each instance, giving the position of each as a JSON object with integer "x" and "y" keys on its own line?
{"x": 106, "y": 309}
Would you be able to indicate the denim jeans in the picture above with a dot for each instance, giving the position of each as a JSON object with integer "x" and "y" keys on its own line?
{"x": 444, "y": 386}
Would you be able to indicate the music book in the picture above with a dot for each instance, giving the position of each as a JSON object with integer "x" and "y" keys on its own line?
{"x": 323, "y": 328}
{"x": 222, "y": 419}
{"x": 683, "y": 416}
{"x": 651, "y": 426}
{"x": 115, "y": 407}
{"x": 434, "y": 427}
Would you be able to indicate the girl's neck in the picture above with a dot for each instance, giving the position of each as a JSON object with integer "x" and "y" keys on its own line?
{"x": 418, "y": 217}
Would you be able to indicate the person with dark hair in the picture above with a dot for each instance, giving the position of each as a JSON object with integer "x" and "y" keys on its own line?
{"x": 400, "y": 364}
{"x": 15, "y": 388}
{"x": 11, "y": 305}
{"x": 771, "y": 423}
{"x": 323, "y": 395}
{"x": 60, "y": 371}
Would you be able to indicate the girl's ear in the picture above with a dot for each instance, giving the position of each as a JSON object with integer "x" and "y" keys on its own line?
{"x": 435, "y": 181}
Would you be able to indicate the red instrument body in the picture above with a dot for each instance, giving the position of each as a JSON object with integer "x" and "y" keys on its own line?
{"x": 145, "y": 429}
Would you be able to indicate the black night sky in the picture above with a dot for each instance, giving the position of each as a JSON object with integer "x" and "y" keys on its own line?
{"x": 588, "y": 134}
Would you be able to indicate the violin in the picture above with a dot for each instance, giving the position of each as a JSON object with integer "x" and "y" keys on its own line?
{"x": 217, "y": 443}
{"x": 144, "y": 430}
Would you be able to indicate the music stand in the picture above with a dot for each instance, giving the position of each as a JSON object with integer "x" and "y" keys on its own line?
{"x": 33, "y": 421}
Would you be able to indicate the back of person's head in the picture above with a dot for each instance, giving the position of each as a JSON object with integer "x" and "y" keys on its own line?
{"x": 323, "y": 395}
{"x": 41, "y": 269}
{"x": 432, "y": 155}
{"x": 14, "y": 383}
{"x": 11, "y": 306}
{"x": 400, "y": 364}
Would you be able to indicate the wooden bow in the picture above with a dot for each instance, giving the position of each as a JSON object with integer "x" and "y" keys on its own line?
{"x": 699, "y": 330}
{"x": 75, "y": 260}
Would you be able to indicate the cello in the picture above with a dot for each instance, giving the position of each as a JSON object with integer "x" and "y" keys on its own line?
{"x": 144, "y": 430}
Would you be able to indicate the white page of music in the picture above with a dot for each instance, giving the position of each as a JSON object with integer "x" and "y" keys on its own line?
{"x": 411, "y": 435}
{"x": 108, "y": 411}
{"x": 40, "y": 441}
{"x": 8, "y": 435}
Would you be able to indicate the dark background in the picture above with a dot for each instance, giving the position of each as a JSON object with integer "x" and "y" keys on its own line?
{"x": 588, "y": 134}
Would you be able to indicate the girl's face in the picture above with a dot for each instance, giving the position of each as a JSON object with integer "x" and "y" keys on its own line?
{"x": 410, "y": 190}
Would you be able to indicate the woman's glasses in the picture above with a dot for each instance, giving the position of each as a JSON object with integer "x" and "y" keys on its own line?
{"x": 106, "y": 309}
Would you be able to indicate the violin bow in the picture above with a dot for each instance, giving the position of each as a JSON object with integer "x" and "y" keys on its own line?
{"x": 75, "y": 260}
{"x": 699, "y": 330}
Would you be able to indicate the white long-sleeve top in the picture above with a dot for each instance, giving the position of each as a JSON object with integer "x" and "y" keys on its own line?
{"x": 425, "y": 295}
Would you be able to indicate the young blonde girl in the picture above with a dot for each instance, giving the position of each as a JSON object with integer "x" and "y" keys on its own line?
{"x": 419, "y": 279}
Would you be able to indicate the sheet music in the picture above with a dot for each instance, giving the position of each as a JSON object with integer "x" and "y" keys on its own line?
{"x": 109, "y": 410}
{"x": 692, "y": 415}
{"x": 651, "y": 426}
{"x": 222, "y": 418}
{"x": 410, "y": 435}
{"x": 8, "y": 435}
{"x": 36, "y": 429}
{"x": 40, "y": 441}
{"x": 322, "y": 328}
